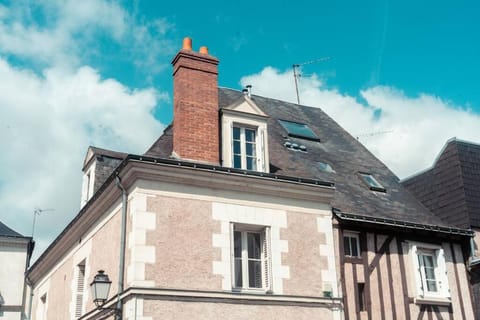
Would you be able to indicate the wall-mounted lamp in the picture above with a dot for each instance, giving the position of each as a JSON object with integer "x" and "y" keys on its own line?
{"x": 100, "y": 287}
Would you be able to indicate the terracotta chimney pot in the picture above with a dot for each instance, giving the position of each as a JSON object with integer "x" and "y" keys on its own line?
{"x": 187, "y": 44}
{"x": 204, "y": 50}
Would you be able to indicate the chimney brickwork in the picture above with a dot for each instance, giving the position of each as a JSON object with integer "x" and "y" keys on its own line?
{"x": 195, "y": 99}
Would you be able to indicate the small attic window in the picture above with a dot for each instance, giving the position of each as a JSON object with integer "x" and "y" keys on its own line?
{"x": 325, "y": 167}
{"x": 299, "y": 130}
{"x": 372, "y": 182}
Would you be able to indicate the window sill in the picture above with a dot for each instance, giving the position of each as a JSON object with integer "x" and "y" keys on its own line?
{"x": 439, "y": 301}
{"x": 251, "y": 291}
{"x": 352, "y": 259}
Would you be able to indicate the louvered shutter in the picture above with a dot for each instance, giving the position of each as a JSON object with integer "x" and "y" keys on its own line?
{"x": 80, "y": 289}
{"x": 267, "y": 264}
{"x": 232, "y": 255}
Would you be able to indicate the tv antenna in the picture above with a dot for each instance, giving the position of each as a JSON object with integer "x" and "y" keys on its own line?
{"x": 297, "y": 75}
{"x": 36, "y": 212}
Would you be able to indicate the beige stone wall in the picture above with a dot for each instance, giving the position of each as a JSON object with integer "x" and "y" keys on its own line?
{"x": 183, "y": 244}
{"x": 99, "y": 248}
{"x": 303, "y": 256}
{"x": 177, "y": 310}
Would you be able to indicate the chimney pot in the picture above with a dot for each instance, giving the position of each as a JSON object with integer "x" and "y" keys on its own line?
{"x": 187, "y": 44}
{"x": 204, "y": 50}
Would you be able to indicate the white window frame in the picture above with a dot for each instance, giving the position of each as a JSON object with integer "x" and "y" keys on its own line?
{"x": 440, "y": 270}
{"x": 356, "y": 236}
{"x": 88, "y": 184}
{"x": 258, "y": 122}
{"x": 243, "y": 147}
{"x": 266, "y": 261}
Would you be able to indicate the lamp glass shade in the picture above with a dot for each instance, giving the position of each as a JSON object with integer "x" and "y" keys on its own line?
{"x": 100, "y": 287}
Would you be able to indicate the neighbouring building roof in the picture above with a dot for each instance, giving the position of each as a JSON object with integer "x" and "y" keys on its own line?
{"x": 8, "y": 232}
{"x": 336, "y": 157}
{"x": 451, "y": 187}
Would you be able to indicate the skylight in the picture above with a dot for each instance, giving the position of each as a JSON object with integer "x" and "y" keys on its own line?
{"x": 372, "y": 182}
{"x": 298, "y": 130}
{"x": 325, "y": 167}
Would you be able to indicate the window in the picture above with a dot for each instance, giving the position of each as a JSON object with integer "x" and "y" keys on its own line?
{"x": 251, "y": 258}
{"x": 244, "y": 148}
{"x": 430, "y": 270}
{"x": 351, "y": 244}
{"x": 427, "y": 265}
{"x": 372, "y": 182}
{"x": 42, "y": 308}
{"x": 79, "y": 290}
{"x": 325, "y": 167}
{"x": 361, "y": 297}
{"x": 298, "y": 130}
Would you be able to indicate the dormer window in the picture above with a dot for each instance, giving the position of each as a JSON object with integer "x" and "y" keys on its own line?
{"x": 244, "y": 136}
{"x": 244, "y": 148}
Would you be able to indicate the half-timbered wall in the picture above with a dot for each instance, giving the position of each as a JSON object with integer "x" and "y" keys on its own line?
{"x": 381, "y": 283}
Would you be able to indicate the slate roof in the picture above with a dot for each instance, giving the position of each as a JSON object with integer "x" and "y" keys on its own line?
{"x": 7, "y": 232}
{"x": 451, "y": 187}
{"x": 337, "y": 148}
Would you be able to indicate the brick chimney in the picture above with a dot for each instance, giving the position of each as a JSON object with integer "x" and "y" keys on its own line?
{"x": 195, "y": 101}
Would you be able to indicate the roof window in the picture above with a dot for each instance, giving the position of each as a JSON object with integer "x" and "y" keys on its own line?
{"x": 372, "y": 182}
{"x": 325, "y": 167}
{"x": 298, "y": 130}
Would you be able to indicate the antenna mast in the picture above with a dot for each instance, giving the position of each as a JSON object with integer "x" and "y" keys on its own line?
{"x": 36, "y": 212}
{"x": 296, "y": 74}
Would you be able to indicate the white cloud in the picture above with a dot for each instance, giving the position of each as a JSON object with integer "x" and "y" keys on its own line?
{"x": 65, "y": 32}
{"x": 46, "y": 125}
{"x": 406, "y": 133}
{"x": 55, "y": 105}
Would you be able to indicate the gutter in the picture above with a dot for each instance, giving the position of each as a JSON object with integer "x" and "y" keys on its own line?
{"x": 400, "y": 224}
{"x": 175, "y": 163}
{"x": 121, "y": 268}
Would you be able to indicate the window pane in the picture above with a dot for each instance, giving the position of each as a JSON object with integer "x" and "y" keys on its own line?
{"x": 237, "y": 244}
{"x": 300, "y": 130}
{"x": 237, "y": 161}
{"x": 254, "y": 248}
{"x": 249, "y": 135}
{"x": 432, "y": 285}
{"x": 236, "y": 133}
{"x": 238, "y": 273}
{"x": 250, "y": 149}
{"x": 346, "y": 246}
{"x": 236, "y": 147}
{"x": 254, "y": 274}
{"x": 251, "y": 164}
{"x": 353, "y": 242}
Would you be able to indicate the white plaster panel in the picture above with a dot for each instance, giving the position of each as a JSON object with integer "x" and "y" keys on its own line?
{"x": 329, "y": 275}
{"x": 275, "y": 219}
{"x": 144, "y": 220}
{"x": 133, "y": 310}
{"x": 140, "y": 253}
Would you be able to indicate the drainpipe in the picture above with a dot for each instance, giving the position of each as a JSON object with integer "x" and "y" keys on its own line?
{"x": 26, "y": 281}
{"x": 121, "y": 268}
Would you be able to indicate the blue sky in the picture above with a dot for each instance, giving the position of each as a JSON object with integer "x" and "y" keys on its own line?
{"x": 402, "y": 78}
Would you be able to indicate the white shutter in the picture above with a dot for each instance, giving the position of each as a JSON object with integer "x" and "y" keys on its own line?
{"x": 230, "y": 135}
{"x": 232, "y": 255}
{"x": 80, "y": 289}
{"x": 266, "y": 261}
{"x": 441, "y": 272}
